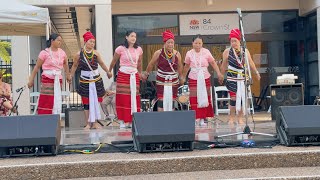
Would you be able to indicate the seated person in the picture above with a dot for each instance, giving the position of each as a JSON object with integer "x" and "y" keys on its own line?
{"x": 5, "y": 98}
{"x": 109, "y": 99}
{"x": 147, "y": 90}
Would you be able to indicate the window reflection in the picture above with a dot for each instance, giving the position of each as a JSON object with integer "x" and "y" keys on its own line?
{"x": 152, "y": 25}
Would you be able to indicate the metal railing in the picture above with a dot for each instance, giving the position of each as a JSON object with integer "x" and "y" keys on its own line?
{"x": 74, "y": 98}
{"x": 6, "y": 70}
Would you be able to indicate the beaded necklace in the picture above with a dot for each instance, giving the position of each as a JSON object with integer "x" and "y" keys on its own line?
{"x": 88, "y": 57}
{"x": 168, "y": 55}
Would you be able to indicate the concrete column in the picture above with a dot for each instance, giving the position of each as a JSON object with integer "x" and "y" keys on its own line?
{"x": 103, "y": 18}
{"x": 20, "y": 71}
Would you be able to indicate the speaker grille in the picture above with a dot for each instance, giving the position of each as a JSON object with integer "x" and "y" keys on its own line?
{"x": 295, "y": 96}
{"x": 285, "y": 95}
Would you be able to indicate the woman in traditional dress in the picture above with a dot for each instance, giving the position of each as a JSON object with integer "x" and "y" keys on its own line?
{"x": 169, "y": 66}
{"x": 128, "y": 79}
{"x": 198, "y": 59}
{"x": 91, "y": 87}
{"x": 52, "y": 60}
{"x": 5, "y": 98}
{"x": 233, "y": 62}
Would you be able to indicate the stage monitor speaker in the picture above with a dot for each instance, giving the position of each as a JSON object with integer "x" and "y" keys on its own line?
{"x": 75, "y": 118}
{"x": 163, "y": 131}
{"x": 285, "y": 95}
{"x": 29, "y": 135}
{"x": 299, "y": 125}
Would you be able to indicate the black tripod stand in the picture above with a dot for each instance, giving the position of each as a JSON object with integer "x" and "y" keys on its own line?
{"x": 15, "y": 106}
{"x": 247, "y": 83}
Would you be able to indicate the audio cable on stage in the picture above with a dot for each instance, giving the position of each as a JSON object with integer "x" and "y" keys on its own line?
{"x": 85, "y": 151}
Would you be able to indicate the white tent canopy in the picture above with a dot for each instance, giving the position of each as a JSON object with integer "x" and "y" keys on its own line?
{"x": 17, "y": 18}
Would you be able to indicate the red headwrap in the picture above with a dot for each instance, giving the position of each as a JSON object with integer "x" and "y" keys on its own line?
{"x": 166, "y": 35}
{"x": 88, "y": 35}
{"x": 235, "y": 33}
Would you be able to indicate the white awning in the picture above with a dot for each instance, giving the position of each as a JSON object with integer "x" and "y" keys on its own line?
{"x": 17, "y": 18}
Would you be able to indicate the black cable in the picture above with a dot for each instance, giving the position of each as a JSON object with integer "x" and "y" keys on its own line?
{"x": 97, "y": 150}
{"x": 123, "y": 151}
{"x": 222, "y": 142}
{"x": 129, "y": 150}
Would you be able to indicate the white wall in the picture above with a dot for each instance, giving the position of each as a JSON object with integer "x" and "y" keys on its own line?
{"x": 175, "y": 6}
{"x": 104, "y": 37}
{"x": 308, "y": 6}
{"x": 178, "y": 6}
{"x": 20, "y": 71}
{"x": 37, "y": 43}
{"x": 66, "y": 2}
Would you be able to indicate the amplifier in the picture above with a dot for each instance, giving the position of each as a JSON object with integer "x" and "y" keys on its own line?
{"x": 75, "y": 118}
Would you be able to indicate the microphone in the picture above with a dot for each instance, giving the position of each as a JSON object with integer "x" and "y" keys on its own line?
{"x": 19, "y": 89}
{"x": 239, "y": 13}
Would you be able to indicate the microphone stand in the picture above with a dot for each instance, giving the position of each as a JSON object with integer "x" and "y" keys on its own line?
{"x": 247, "y": 82}
{"x": 16, "y": 103}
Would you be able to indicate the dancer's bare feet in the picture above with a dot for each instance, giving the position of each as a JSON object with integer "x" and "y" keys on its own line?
{"x": 202, "y": 123}
{"x": 231, "y": 122}
{"x": 122, "y": 125}
{"x": 96, "y": 125}
{"x": 129, "y": 125}
{"x": 88, "y": 126}
{"x": 231, "y": 119}
{"x": 240, "y": 121}
{"x": 197, "y": 122}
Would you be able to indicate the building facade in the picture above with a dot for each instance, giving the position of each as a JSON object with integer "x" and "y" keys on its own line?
{"x": 282, "y": 36}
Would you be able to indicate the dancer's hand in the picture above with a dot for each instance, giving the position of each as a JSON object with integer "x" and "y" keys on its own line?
{"x": 182, "y": 81}
{"x": 109, "y": 74}
{"x": 258, "y": 76}
{"x": 30, "y": 84}
{"x": 144, "y": 77}
{"x": 69, "y": 78}
{"x": 220, "y": 78}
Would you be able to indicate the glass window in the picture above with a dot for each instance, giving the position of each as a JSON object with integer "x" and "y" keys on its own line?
{"x": 311, "y": 51}
{"x": 146, "y": 26}
{"x": 275, "y": 58}
{"x": 279, "y": 21}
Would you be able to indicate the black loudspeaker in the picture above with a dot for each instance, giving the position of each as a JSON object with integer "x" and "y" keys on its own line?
{"x": 29, "y": 135}
{"x": 75, "y": 118}
{"x": 299, "y": 125}
{"x": 163, "y": 131}
{"x": 285, "y": 95}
